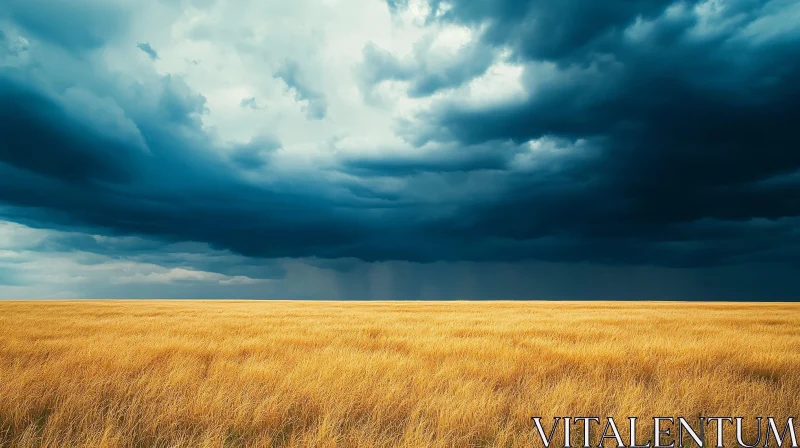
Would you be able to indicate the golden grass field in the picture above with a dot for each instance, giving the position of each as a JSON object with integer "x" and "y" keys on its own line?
{"x": 363, "y": 374}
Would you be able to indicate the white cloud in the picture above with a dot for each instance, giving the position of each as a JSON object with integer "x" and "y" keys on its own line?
{"x": 169, "y": 276}
{"x": 43, "y": 262}
{"x": 241, "y": 280}
{"x": 502, "y": 82}
{"x": 185, "y": 275}
{"x": 230, "y": 51}
{"x": 13, "y": 235}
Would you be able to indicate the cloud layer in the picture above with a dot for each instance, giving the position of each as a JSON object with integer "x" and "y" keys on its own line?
{"x": 508, "y": 135}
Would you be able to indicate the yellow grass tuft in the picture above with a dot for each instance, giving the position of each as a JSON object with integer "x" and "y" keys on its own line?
{"x": 335, "y": 374}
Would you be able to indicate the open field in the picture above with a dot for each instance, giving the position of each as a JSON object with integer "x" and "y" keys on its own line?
{"x": 323, "y": 374}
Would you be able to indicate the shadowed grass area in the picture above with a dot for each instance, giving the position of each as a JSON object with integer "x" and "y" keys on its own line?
{"x": 388, "y": 374}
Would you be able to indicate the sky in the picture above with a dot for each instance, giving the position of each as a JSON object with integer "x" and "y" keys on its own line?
{"x": 400, "y": 149}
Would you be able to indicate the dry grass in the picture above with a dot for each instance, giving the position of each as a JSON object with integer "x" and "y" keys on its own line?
{"x": 212, "y": 374}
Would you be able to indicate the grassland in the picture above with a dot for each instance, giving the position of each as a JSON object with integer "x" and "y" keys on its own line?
{"x": 325, "y": 374}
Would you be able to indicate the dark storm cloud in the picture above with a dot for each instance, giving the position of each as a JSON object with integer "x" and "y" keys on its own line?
{"x": 405, "y": 166}
{"x": 149, "y": 50}
{"x": 59, "y": 169}
{"x": 541, "y": 29}
{"x": 39, "y": 136}
{"x": 661, "y": 136}
{"x": 686, "y": 114}
{"x": 294, "y": 77}
{"x": 445, "y": 159}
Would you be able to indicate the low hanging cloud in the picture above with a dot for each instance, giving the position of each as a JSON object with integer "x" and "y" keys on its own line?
{"x": 186, "y": 275}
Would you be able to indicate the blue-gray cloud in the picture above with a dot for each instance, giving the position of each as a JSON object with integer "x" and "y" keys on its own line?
{"x": 187, "y": 255}
{"x": 11, "y": 47}
{"x": 254, "y": 154}
{"x": 688, "y": 113}
{"x": 148, "y": 49}
{"x": 444, "y": 159}
{"x": 427, "y": 72}
{"x": 59, "y": 166}
{"x": 249, "y": 103}
{"x": 10, "y": 277}
{"x": 78, "y": 26}
{"x": 291, "y": 73}
{"x": 649, "y": 133}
